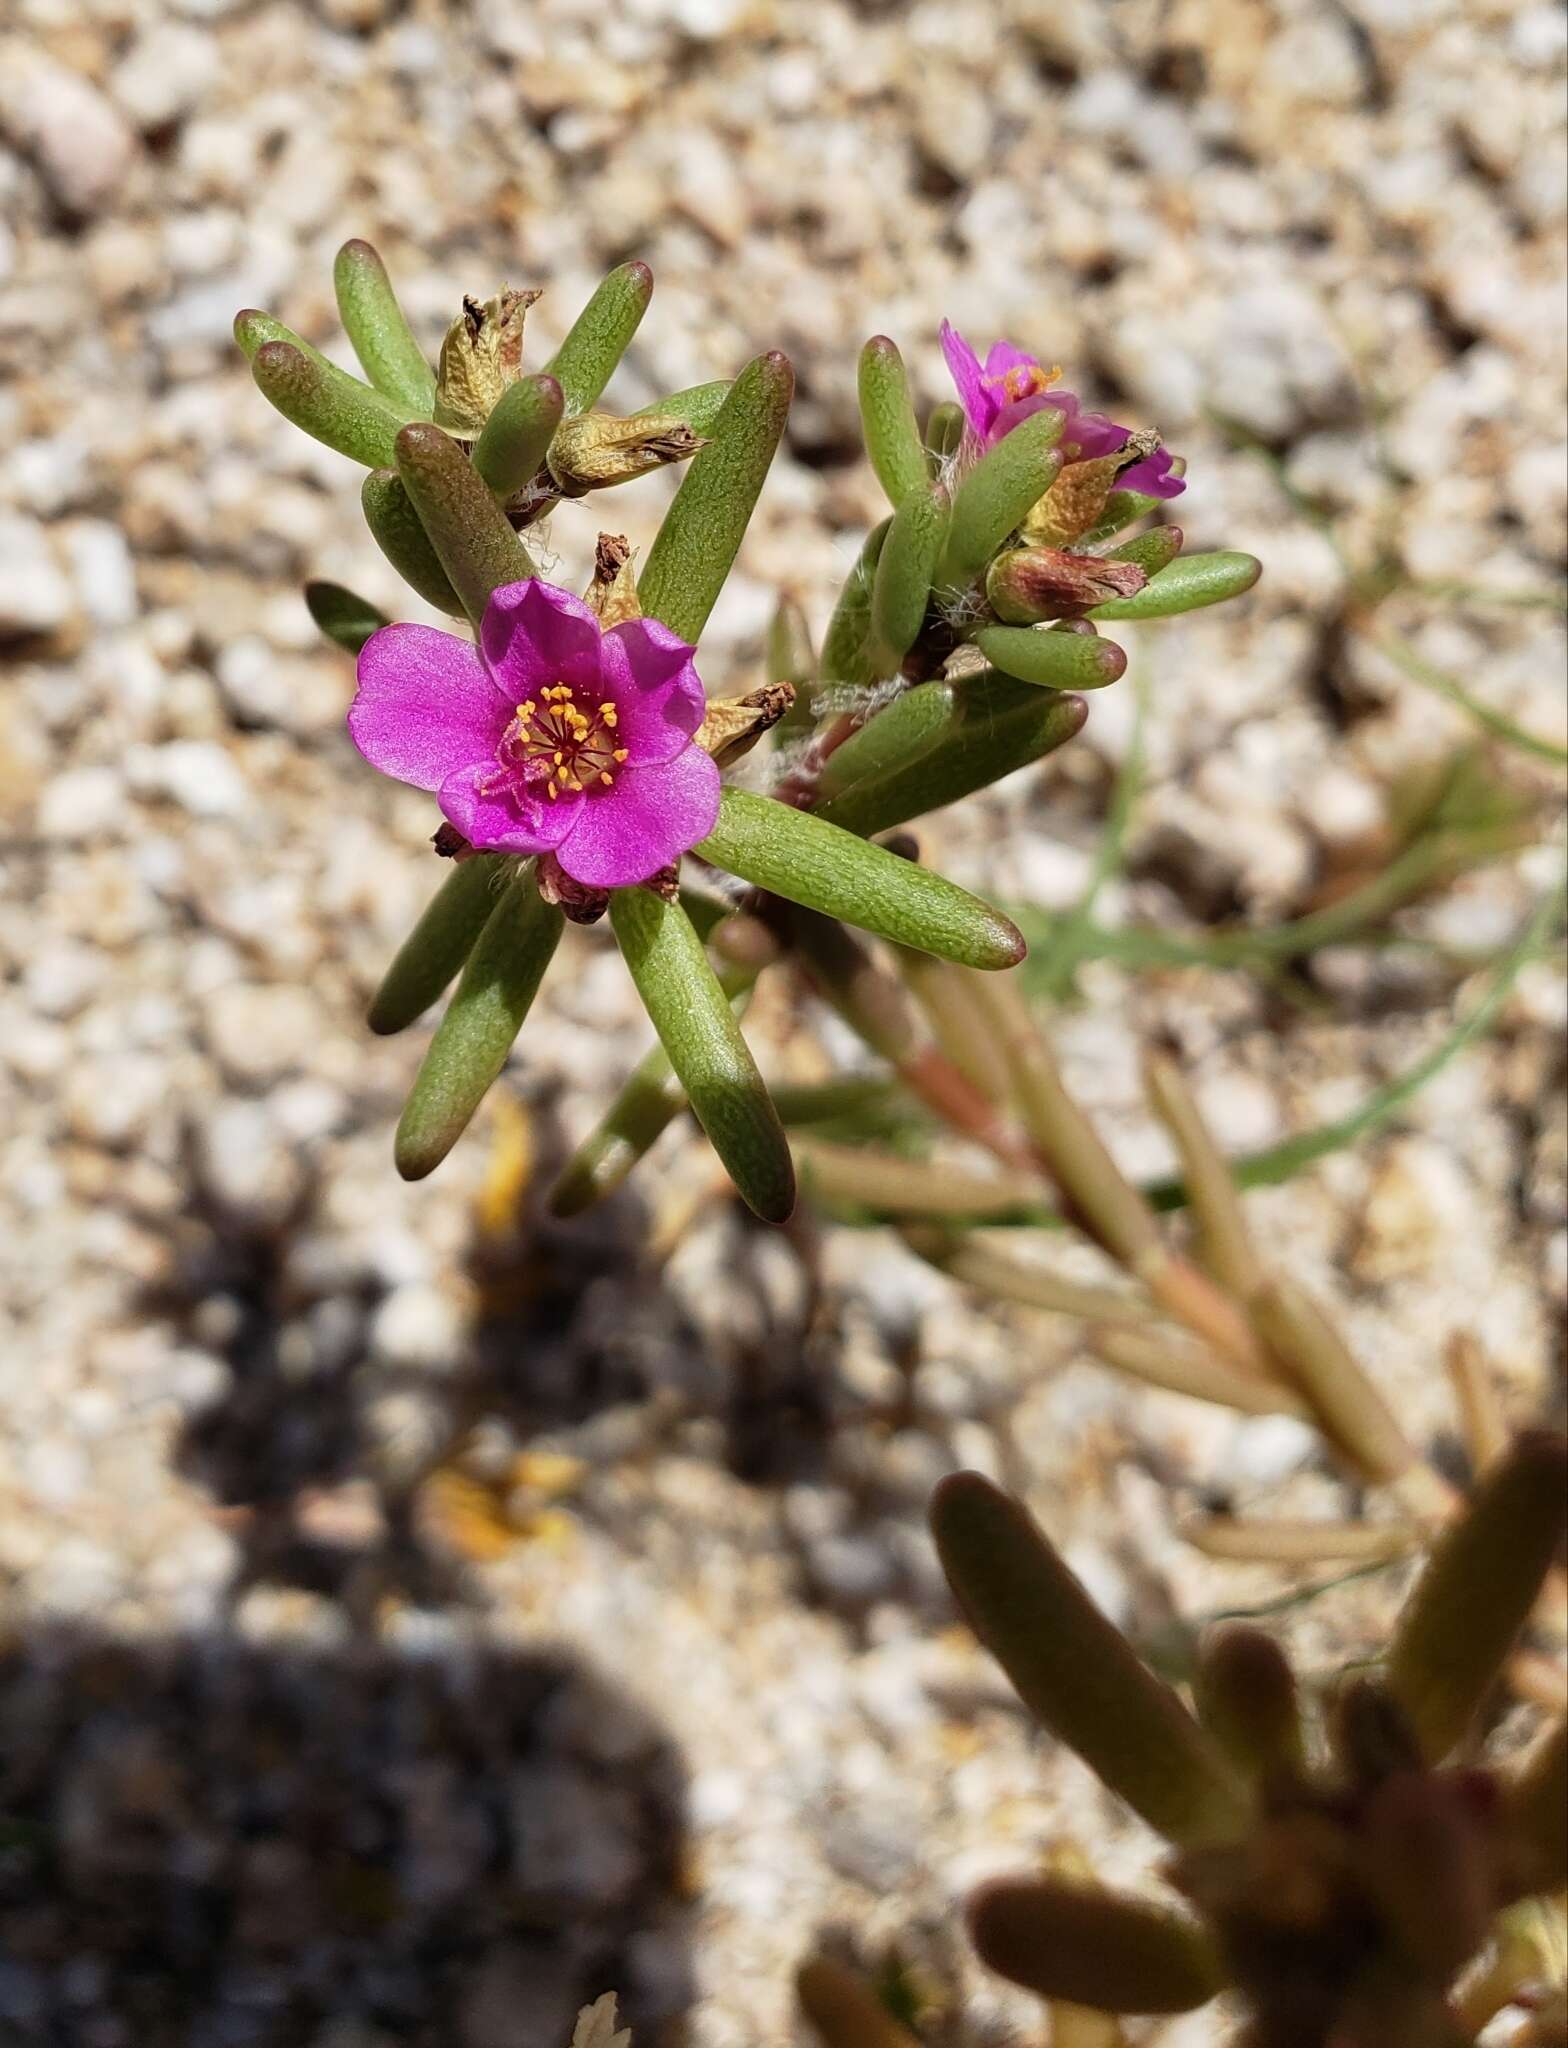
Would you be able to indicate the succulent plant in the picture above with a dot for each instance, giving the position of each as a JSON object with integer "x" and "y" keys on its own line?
{"x": 572, "y": 748}
{"x": 1348, "y": 1868}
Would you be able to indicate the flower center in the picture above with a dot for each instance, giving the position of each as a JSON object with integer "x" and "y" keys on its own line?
{"x": 559, "y": 741}
{"x": 1026, "y": 380}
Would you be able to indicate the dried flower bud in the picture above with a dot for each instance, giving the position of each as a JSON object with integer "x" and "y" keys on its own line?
{"x": 612, "y": 594}
{"x": 578, "y": 903}
{"x": 1029, "y": 584}
{"x": 734, "y": 725}
{"x": 481, "y": 355}
{"x": 1078, "y": 497}
{"x": 597, "y": 448}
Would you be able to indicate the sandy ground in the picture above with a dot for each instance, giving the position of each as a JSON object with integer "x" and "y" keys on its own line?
{"x": 302, "y": 1745}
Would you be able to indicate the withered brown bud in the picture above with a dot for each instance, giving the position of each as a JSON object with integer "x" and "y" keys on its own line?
{"x": 612, "y": 594}
{"x": 597, "y": 448}
{"x": 481, "y": 355}
{"x": 450, "y": 843}
{"x": 1029, "y": 584}
{"x": 577, "y": 902}
{"x": 1073, "y": 503}
{"x": 734, "y": 725}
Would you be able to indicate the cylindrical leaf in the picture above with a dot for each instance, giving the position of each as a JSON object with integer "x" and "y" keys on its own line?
{"x": 888, "y": 421}
{"x": 347, "y": 619}
{"x": 517, "y": 435}
{"x": 1345, "y": 1404}
{"x": 1224, "y": 1240}
{"x": 373, "y": 321}
{"x": 697, "y": 1028}
{"x": 847, "y": 652}
{"x": 586, "y": 359}
{"x": 1476, "y": 1593}
{"x": 1076, "y": 1674}
{"x": 1095, "y": 1947}
{"x": 328, "y": 404}
{"x": 703, "y": 529}
{"x": 1005, "y": 726}
{"x": 843, "y": 2011}
{"x": 790, "y": 658}
{"x": 485, "y": 1014}
{"x": 945, "y": 430}
{"x": 1151, "y": 552}
{"x": 1052, "y": 660}
{"x": 797, "y": 856}
{"x": 468, "y": 530}
{"x": 1187, "y": 585}
{"x": 698, "y": 406}
{"x": 439, "y": 944}
{"x": 399, "y": 532}
{"x": 893, "y": 737}
{"x": 1246, "y": 1698}
{"x": 998, "y": 492}
{"x": 892, "y": 1184}
{"x": 901, "y": 589}
{"x": 649, "y": 1101}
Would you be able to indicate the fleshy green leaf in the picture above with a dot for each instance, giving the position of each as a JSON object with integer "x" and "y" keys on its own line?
{"x": 798, "y": 856}
{"x": 998, "y": 492}
{"x": 945, "y": 430}
{"x": 697, "y": 1028}
{"x": 1077, "y": 1674}
{"x": 586, "y": 359}
{"x": 1004, "y": 726}
{"x": 847, "y": 654}
{"x": 1246, "y": 1698}
{"x": 1151, "y": 551}
{"x": 373, "y": 321}
{"x": 470, "y": 533}
{"x": 1187, "y": 585}
{"x": 649, "y": 1101}
{"x": 698, "y": 406}
{"x": 893, "y": 737}
{"x": 517, "y": 435}
{"x": 1052, "y": 660}
{"x": 327, "y": 403}
{"x": 1099, "y": 1948}
{"x": 703, "y": 529}
{"x": 485, "y": 1014}
{"x": 888, "y": 421}
{"x": 398, "y": 531}
{"x": 438, "y": 945}
{"x": 347, "y": 619}
{"x": 1470, "y": 1604}
{"x": 901, "y": 588}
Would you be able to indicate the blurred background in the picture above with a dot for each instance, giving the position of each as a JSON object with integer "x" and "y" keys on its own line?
{"x": 419, "y": 1616}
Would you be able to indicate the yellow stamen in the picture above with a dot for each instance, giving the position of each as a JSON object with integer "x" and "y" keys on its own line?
{"x": 606, "y": 777}
{"x": 550, "y": 790}
{"x": 619, "y": 754}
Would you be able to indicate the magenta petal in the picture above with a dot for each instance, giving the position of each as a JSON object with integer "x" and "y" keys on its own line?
{"x": 425, "y": 705}
{"x": 978, "y": 402}
{"x": 1092, "y": 434}
{"x": 1002, "y": 357}
{"x": 647, "y": 671}
{"x": 511, "y": 822}
{"x": 534, "y": 635}
{"x": 1153, "y": 477}
{"x": 651, "y": 817}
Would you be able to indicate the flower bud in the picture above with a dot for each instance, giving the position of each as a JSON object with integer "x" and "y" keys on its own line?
{"x": 1078, "y": 497}
{"x": 577, "y": 902}
{"x": 481, "y": 355}
{"x": 1029, "y": 584}
{"x": 597, "y": 448}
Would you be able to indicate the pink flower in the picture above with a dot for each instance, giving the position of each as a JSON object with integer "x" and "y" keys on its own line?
{"x": 551, "y": 736}
{"x": 1010, "y": 386}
